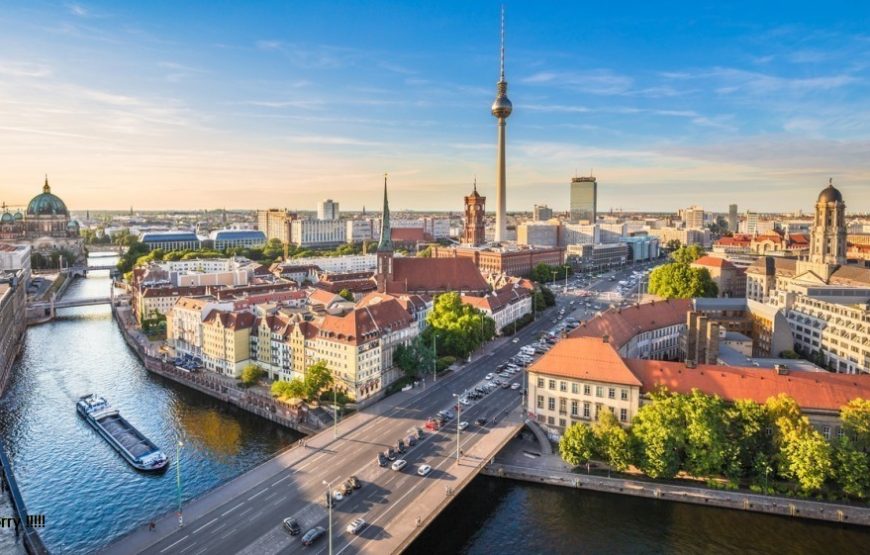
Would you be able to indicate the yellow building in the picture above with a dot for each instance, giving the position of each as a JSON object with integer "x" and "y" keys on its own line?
{"x": 226, "y": 339}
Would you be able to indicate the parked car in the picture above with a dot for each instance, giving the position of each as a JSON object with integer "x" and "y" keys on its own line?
{"x": 292, "y": 526}
{"x": 424, "y": 469}
{"x": 432, "y": 424}
{"x": 390, "y": 454}
{"x": 480, "y": 421}
{"x": 338, "y": 495}
{"x": 420, "y": 433}
{"x": 515, "y": 386}
{"x": 400, "y": 446}
{"x": 354, "y": 482}
{"x": 399, "y": 465}
{"x": 313, "y": 535}
{"x": 381, "y": 460}
{"x": 463, "y": 425}
{"x": 412, "y": 440}
{"x": 356, "y": 526}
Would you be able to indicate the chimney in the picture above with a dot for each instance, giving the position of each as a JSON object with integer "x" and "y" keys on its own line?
{"x": 712, "y": 342}
{"x": 605, "y": 338}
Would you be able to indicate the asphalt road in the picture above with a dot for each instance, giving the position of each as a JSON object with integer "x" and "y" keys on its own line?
{"x": 250, "y": 522}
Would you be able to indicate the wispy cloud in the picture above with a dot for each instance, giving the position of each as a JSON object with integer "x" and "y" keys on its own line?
{"x": 78, "y": 10}
{"x": 24, "y": 69}
{"x": 601, "y": 81}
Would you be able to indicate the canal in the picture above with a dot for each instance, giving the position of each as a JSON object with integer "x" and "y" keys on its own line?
{"x": 88, "y": 493}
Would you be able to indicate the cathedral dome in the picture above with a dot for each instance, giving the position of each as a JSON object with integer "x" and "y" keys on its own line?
{"x": 46, "y": 204}
{"x": 830, "y": 194}
{"x": 18, "y": 216}
{"x": 6, "y": 218}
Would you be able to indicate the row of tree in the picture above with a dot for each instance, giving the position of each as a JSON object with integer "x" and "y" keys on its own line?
{"x": 543, "y": 273}
{"x": 456, "y": 328}
{"x": 744, "y": 442}
{"x": 679, "y": 280}
{"x": 318, "y": 377}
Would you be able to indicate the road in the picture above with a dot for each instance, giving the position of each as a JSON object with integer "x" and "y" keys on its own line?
{"x": 249, "y": 521}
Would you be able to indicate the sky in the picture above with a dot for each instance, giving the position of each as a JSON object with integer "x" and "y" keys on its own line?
{"x": 281, "y": 104}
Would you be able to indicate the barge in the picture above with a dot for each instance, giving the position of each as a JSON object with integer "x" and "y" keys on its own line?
{"x": 136, "y": 449}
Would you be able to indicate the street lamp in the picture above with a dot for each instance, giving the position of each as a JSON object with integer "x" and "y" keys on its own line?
{"x": 329, "y": 502}
{"x": 178, "y": 446}
{"x": 434, "y": 358}
{"x": 458, "y": 420}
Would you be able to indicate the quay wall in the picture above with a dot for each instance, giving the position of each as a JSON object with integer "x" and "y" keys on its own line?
{"x": 32, "y": 542}
{"x": 769, "y": 504}
{"x": 265, "y": 407}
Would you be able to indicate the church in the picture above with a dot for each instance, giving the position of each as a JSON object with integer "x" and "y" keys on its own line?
{"x": 45, "y": 225}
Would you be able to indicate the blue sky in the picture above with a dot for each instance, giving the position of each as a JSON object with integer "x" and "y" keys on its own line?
{"x": 246, "y": 104}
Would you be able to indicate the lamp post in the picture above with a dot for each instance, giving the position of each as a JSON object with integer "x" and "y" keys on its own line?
{"x": 334, "y": 409}
{"x": 329, "y": 502}
{"x": 178, "y": 446}
{"x": 458, "y": 418}
{"x": 434, "y": 358}
{"x": 566, "y": 278}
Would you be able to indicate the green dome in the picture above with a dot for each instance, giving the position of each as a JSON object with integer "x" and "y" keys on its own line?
{"x": 6, "y": 218}
{"x": 18, "y": 216}
{"x": 46, "y": 204}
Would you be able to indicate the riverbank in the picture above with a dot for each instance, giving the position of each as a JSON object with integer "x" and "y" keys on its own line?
{"x": 213, "y": 385}
{"x": 30, "y": 536}
{"x": 521, "y": 462}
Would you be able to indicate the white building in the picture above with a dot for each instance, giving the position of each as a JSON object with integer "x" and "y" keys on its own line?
{"x": 317, "y": 233}
{"x": 15, "y": 257}
{"x": 327, "y": 209}
{"x": 362, "y": 229}
{"x": 694, "y": 217}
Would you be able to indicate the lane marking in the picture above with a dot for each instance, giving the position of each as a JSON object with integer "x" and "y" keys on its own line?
{"x": 228, "y": 511}
{"x": 281, "y": 480}
{"x": 261, "y": 492}
{"x": 212, "y": 521}
{"x": 168, "y": 547}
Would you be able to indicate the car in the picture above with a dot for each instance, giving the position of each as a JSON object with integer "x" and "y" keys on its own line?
{"x": 355, "y": 526}
{"x": 390, "y": 454}
{"x": 432, "y": 425}
{"x": 354, "y": 482}
{"x": 515, "y": 340}
{"x": 463, "y": 425}
{"x": 381, "y": 460}
{"x": 424, "y": 469}
{"x": 489, "y": 376}
{"x": 464, "y": 401}
{"x": 420, "y": 433}
{"x": 411, "y": 440}
{"x": 292, "y": 526}
{"x": 480, "y": 421}
{"x": 505, "y": 385}
{"x": 345, "y": 489}
{"x": 313, "y": 535}
{"x": 400, "y": 446}
{"x": 399, "y": 465}
{"x": 337, "y": 495}
{"x": 515, "y": 386}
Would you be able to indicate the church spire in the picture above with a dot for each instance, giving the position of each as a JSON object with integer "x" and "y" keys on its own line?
{"x": 46, "y": 188}
{"x": 385, "y": 243}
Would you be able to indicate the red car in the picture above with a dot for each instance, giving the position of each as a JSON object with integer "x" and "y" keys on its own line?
{"x": 432, "y": 424}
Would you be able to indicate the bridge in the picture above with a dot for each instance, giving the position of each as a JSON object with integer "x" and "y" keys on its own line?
{"x": 245, "y": 515}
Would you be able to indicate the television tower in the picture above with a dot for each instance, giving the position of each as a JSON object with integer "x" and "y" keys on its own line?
{"x": 501, "y": 109}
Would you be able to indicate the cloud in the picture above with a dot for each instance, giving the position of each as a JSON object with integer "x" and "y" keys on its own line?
{"x": 78, "y": 10}
{"x": 24, "y": 69}
{"x": 332, "y": 140}
{"x": 302, "y": 104}
{"x": 558, "y": 108}
{"x": 599, "y": 81}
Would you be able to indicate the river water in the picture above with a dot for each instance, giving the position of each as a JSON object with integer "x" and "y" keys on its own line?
{"x": 91, "y": 496}
{"x": 88, "y": 493}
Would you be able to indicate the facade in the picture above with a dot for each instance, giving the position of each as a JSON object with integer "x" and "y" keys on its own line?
{"x": 15, "y": 257}
{"x": 513, "y": 262}
{"x": 170, "y": 240}
{"x": 505, "y": 305}
{"x": 45, "y": 225}
{"x": 829, "y": 228}
{"x": 694, "y": 217}
{"x": 474, "y": 232}
{"x": 597, "y": 257}
{"x": 584, "y": 199}
{"x": 317, "y": 233}
{"x": 539, "y": 234}
{"x": 362, "y": 229}
{"x": 13, "y": 320}
{"x": 684, "y": 236}
{"x": 230, "y": 238}
{"x": 542, "y": 213}
{"x": 275, "y": 224}
{"x": 733, "y": 219}
{"x": 643, "y": 247}
{"x": 327, "y": 209}
{"x": 729, "y": 279}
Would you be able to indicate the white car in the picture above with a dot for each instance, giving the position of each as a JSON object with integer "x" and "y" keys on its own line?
{"x": 424, "y": 469}
{"x": 463, "y": 425}
{"x": 464, "y": 401}
{"x": 399, "y": 464}
{"x": 356, "y": 526}
{"x": 515, "y": 340}
{"x": 337, "y": 495}
{"x": 515, "y": 386}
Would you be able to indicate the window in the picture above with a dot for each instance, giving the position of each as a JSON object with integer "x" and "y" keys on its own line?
{"x": 586, "y": 409}
{"x": 541, "y": 382}
{"x": 587, "y": 389}
{"x": 599, "y": 391}
{"x": 563, "y": 406}
{"x": 551, "y": 403}
{"x": 563, "y": 386}
{"x": 623, "y": 415}
{"x": 611, "y": 393}
{"x": 552, "y": 384}
{"x": 540, "y": 401}
{"x": 574, "y": 407}
{"x": 550, "y": 420}
{"x": 562, "y": 422}
{"x": 575, "y": 388}
{"x": 623, "y": 394}
{"x": 826, "y": 431}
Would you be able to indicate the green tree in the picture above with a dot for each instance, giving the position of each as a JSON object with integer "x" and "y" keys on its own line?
{"x": 659, "y": 430}
{"x": 750, "y": 451}
{"x": 294, "y": 389}
{"x": 548, "y": 296}
{"x": 414, "y": 358}
{"x": 807, "y": 458}
{"x": 346, "y": 295}
{"x": 251, "y": 373}
{"x": 672, "y": 245}
{"x": 681, "y": 281}
{"x": 855, "y": 416}
{"x": 318, "y": 377}
{"x": 706, "y": 439}
{"x": 426, "y": 252}
{"x": 851, "y": 468}
{"x": 612, "y": 441}
{"x": 578, "y": 444}
{"x": 687, "y": 255}
{"x": 458, "y": 328}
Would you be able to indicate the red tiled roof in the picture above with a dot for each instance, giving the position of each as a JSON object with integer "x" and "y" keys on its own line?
{"x": 366, "y": 323}
{"x": 713, "y": 262}
{"x": 585, "y": 358}
{"x": 811, "y": 390}
{"x": 498, "y": 299}
{"x": 738, "y": 240}
{"x": 622, "y": 325}
{"x": 409, "y": 235}
{"x": 230, "y": 320}
{"x": 436, "y": 274}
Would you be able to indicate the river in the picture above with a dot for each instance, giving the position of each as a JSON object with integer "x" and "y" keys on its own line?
{"x": 90, "y": 496}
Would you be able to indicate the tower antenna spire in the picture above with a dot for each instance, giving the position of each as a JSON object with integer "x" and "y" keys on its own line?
{"x": 502, "y": 43}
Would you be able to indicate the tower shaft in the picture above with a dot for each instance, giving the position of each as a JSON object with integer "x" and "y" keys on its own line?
{"x": 501, "y": 185}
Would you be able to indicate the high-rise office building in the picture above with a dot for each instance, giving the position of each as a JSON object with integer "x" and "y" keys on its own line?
{"x": 584, "y": 199}
{"x": 275, "y": 223}
{"x": 732, "y": 218}
{"x": 327, "y": 210}
{"x": 542, "y": 213}
{"x": 694, "y": 217}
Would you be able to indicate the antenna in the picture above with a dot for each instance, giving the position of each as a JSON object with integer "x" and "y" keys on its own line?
{"x": 502, "y": 42}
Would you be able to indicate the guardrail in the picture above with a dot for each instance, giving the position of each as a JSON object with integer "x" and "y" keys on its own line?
{"x": 32, "y": 542}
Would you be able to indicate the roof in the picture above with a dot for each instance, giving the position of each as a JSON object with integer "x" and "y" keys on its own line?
{"x": 830, "y": 194}
{"x": 850, "y": 274}
{"x": 713, "y": 262}
{"x": 160, "y": 236}
{"x": 737, "y": 240}
{"x": 811, "y": 390}
{"x": 498, "y": 299}
{"x": 784, "y": 266}
{"x": 238, "y": 234}
{"x": 230, "y": 320}
{"x": 46, "y": 204}
{"x": 436, "y": 274}
{"x": 409, "y": 235}
{"x": 620, "y": 325}
{"x": 366, "y": 323}
{"x": 585, "y": 358}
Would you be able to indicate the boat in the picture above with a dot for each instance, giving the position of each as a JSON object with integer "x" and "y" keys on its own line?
{"x": 136, "y": 449}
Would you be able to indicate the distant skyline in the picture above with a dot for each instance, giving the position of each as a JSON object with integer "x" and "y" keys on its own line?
{"x": 272, "y": 104}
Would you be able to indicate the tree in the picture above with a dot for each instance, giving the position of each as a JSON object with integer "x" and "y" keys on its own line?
{"x": 414, "y": 358}
{"x": 672, "y": 245}
{"x": 318, "y": 377}
{"x": 612, "y": 441}
{"x": 294, "y": 389}
{"x": 659, "y": 429}
{"x": 681, "y": 281}
{"x": 687, "y": 254}
{"x": 547, "y": 294}
{"x": 346, "y": 295}
{"x": 251, "y": 373}
{"x": 425, "y": 253}
{"x": 807, "y": 458}
{"x": 855, "y": 416}
{"x": 578, "y": 444}
{"x": 458, "y": 328}
{"x": 706, "y": 440}
{"x": 851, "y": 468}
{"x": 751, "y": 448}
